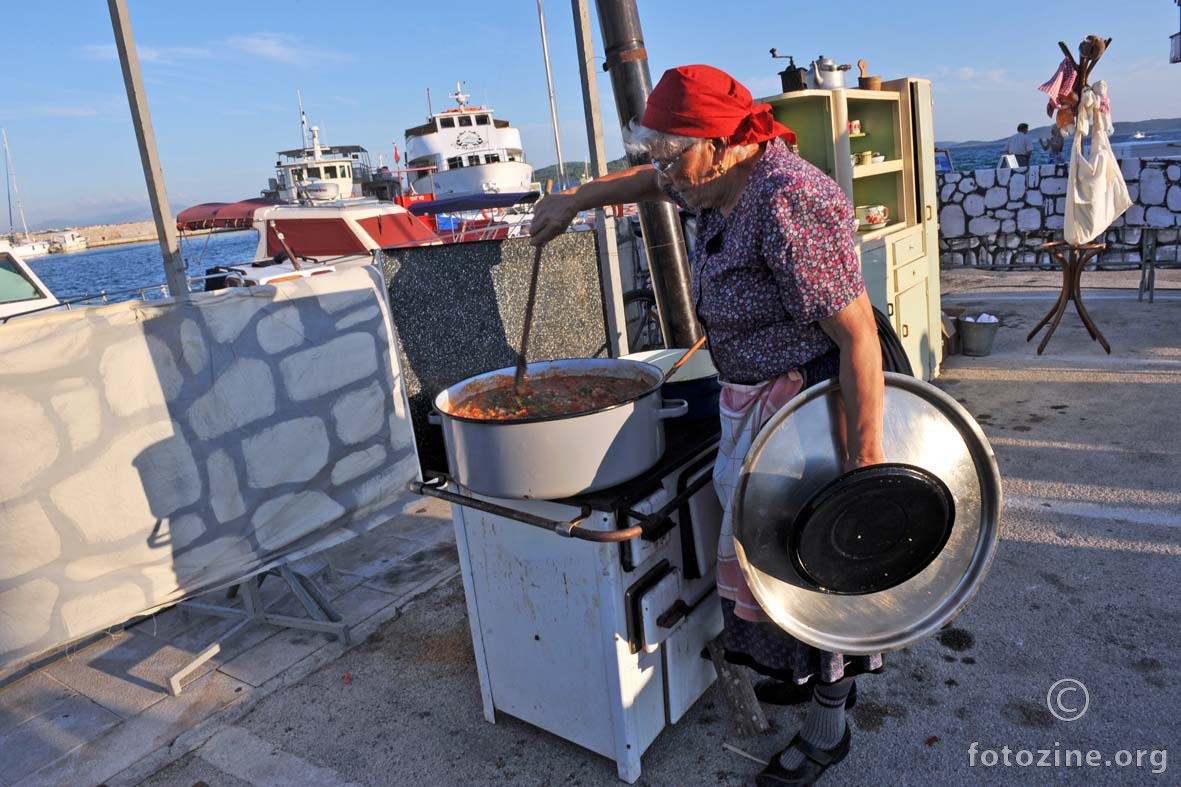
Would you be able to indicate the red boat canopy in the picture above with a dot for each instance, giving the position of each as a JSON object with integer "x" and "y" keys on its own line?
{"x": 222, "y": 215}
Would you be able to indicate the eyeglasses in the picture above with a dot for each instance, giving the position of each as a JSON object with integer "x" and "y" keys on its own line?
{"x": 665, "y": 166}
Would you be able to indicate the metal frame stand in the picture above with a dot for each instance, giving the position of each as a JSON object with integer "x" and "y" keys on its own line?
{"x": 1073, "y": 260}
{"x": 1147, "y": 264}
{"x": 324, "y": 619}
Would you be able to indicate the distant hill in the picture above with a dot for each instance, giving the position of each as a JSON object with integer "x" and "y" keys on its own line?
{"x": 575, "y": 170}
{"x": 1154, "y": 126}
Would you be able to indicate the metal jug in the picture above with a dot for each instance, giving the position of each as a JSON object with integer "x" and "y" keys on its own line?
{"x": 825, "y": 74}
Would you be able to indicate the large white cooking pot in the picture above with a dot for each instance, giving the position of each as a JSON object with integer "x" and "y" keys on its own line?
{"x": 556, "y": 457}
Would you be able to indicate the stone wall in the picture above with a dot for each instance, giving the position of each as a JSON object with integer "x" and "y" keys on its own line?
{"x": 998, "y": 218}
{"x": 153, "y": 451}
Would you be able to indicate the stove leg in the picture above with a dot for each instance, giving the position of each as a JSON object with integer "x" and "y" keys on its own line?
{"x": 740, "y": 695}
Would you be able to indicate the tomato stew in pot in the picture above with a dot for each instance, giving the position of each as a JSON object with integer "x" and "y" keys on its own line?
{"x": 549, "y": 397}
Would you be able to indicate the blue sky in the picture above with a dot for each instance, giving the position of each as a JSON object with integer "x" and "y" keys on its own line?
{"x": 222, "y": 76}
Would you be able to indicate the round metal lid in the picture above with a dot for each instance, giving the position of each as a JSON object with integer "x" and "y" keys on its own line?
{"x": 800, "y": 452}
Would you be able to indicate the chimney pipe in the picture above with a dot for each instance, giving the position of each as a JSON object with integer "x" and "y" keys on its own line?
{"x": 627, "y": 64}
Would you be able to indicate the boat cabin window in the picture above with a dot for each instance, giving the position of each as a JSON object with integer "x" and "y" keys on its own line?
{"x": 465, "y": 120}
{"x": 314, "y": 172}
{"x": 473, "y": 160}
{"x": 421, "y": 161}
{"x": 14, "y": 286}
{"x": 345, "y": 172}
{"x": 330, "y": 172}
{"x": 455, "y": 162}
{"x": 492, "y": 158}
{"x": 514, "y": 154}
{"x": 483, "y": 120}
{"x": 446, "y": 122}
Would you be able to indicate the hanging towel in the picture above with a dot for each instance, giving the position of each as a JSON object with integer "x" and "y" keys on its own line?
{"x": 1096, "y": 194}
{"x": 1060, "y": 87}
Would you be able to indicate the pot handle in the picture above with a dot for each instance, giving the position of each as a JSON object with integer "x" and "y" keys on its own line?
{"x": 434, "y": 418}
{"x": 672, "y": 408}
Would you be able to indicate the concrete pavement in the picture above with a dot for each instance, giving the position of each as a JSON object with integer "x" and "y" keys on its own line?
{"x": 1083, "y": 588}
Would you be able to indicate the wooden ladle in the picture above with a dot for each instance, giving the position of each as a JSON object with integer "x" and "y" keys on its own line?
{"x": 519, "y": 377}
{"x": 866, "y": 82}
{"x": 681, "y": 361}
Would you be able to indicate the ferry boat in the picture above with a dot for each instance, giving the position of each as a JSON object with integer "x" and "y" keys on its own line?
{"x": 466, "y": 151}
{"x": 319, "y": 173}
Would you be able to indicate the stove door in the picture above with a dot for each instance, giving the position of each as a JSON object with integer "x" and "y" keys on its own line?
{"x": 688, "y": 670}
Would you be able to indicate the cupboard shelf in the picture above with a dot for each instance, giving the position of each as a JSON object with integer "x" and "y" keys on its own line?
{"x": 869, "y": 170}
{"x": 900, "y": 261}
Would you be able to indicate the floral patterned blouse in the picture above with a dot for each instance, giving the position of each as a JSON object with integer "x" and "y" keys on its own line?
{"x": 780, "y": 262}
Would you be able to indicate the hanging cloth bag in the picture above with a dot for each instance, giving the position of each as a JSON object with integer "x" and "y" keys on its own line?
{"x": 1096, "y": 194}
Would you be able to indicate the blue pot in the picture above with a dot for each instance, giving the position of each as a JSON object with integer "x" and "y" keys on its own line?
{"x": 696, "y": 382}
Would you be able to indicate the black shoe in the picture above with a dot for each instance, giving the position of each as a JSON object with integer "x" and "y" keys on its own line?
{"x": 779, "y": 692}
{"x": 816, "y": 761}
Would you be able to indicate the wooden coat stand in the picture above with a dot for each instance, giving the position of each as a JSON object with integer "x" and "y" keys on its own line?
{"x": 1074, "y": 258}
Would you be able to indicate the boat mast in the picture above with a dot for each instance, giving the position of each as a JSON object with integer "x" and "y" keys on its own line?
{"x": 7, "y": 177}
{"x": 553, "y": 107}
{"x": 13, "y": 190}
{"x": 303, "y": 122}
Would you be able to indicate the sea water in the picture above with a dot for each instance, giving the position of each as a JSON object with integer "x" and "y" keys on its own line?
{"x": 985, "y": 155}
{"x": 123, "y": 270}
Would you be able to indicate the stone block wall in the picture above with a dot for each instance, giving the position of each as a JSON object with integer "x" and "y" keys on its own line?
{"x": 155, "y": 450}
{"x": 998, "y": 218}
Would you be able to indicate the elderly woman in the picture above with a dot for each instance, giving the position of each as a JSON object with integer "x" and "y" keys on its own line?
{"x": 778, "y": 288}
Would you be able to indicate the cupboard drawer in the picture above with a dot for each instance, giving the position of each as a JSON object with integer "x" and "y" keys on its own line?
{"x": 908, "y": 247}
{"x": 906, "y": 276}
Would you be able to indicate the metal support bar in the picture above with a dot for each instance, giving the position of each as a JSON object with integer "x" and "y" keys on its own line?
{"x": 324, "y": 619}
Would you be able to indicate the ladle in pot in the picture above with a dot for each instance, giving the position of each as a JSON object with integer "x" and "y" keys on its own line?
{"x": 681, "y": 361}
{"x": 519, "y": 377}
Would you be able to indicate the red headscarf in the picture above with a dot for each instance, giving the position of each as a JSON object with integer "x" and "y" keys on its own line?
{"x": 702, "y": 101}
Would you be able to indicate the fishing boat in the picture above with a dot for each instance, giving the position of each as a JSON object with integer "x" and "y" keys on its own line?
{"x": 1138, "y": 135}
{"x": 67, "y": 241}
{"x": 316, "y": 236}
{"x": 465, "y": 151}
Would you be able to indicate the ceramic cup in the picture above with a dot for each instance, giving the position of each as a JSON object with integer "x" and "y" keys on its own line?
{"x": 854, "y": 126}
{"x": 865, "y": 157}
{"x": 872, "y": 215}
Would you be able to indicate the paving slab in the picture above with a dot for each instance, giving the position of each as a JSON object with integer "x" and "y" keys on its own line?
{"x": 1082, "y": 588}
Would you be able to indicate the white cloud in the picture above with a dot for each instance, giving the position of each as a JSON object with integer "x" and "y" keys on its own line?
{"x": 282, "y": 48}
{"x": 166, "y": 55}
{"x": 64, "y": 111}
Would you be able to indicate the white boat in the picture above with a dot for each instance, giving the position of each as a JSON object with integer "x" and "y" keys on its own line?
{"x": 1138, "y": 135}
{"x": 67, "y": 241}
{"x": 21, "y": 292}
{"x": 320, "y": 172}
{"x": 24, "y": 246}
{"x": 306, "y": 239}
{"x": 465, "y": 151}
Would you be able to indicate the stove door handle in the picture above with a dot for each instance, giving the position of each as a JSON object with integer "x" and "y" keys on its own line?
{"x": 673, "y": 615}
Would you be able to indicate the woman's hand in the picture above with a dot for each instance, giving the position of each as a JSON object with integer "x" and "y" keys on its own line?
{"x": 552, "y": 216}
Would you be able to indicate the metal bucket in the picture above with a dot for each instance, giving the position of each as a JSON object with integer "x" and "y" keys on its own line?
{"x": 976, "y": 337}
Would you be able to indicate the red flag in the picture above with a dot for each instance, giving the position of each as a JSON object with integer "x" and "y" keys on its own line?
{"x": 397, "y": 158}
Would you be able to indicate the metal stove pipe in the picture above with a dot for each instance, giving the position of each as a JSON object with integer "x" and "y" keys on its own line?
{"x": 627, "y": 63}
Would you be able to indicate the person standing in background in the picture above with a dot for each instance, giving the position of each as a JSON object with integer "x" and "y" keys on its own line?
{"x": 1053, "y": 145}
{"x": 1019, "y": 145}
